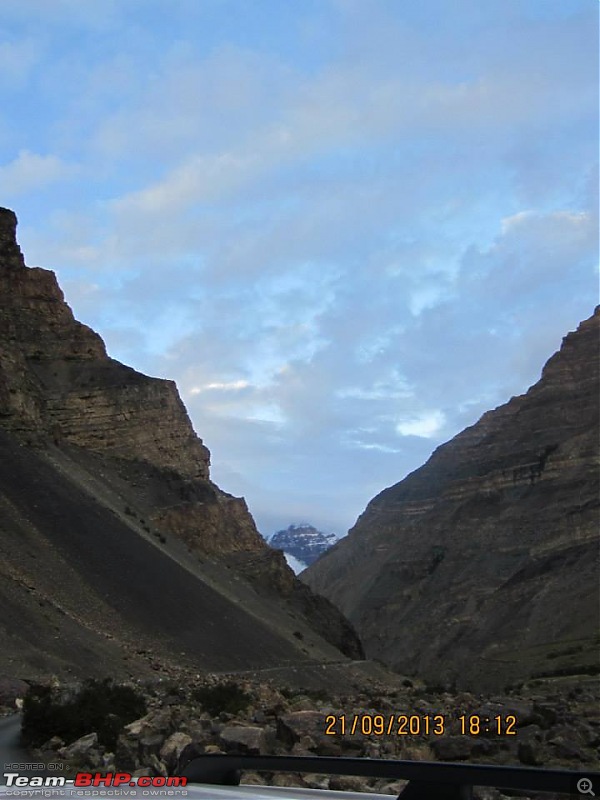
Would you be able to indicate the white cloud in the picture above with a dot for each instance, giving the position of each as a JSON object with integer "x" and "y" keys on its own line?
{"x": 322, "y": 248}
{"x": 29, "y": 172}
{"x": 231, "y": 386}
{"x": 427, "y": 424}
{"x": 200, "y": 179}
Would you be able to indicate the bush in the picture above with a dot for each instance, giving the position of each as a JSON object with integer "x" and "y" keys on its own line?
{"x": 100, "y": 706}
{"x": 227, "y": 697}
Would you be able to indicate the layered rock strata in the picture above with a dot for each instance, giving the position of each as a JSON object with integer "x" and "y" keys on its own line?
{"x": 481, "y": 567}
{"x": 100, "y": 465}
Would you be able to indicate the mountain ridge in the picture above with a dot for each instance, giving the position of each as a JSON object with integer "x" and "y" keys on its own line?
{"x": 303, "y": 542}
{"x": 104, "y": 480}
{"x": 491, "y": 547}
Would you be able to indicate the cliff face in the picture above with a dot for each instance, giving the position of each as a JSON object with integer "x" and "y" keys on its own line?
{"x": 56, "y": 379}
{"x": 481, "y": 567}
{"x": 86, "y": 432}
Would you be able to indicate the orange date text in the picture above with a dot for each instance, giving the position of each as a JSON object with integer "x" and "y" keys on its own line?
{"x": 385, "y": 724}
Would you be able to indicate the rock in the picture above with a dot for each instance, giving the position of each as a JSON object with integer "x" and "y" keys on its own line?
{"x": 394, "y": 787}
{"x": 530, "y": 733}
{"x": 544, "y": 714}
{"x": 248, "y": 740}
{"x": 590, "y": 737}
{"x": 567, "y": 748}
{"x": 316, "y": 781}
{"x": 347, "y": 783}
{"x": 452, "y": 748}
{"x": 484, "y": 748}
{"x": 292, "y": 727}
{"x": 531, "y": 753}
{"x": 55, "y": 743}
{"x": 213, "y": 749}
{"x": 291, "y": 779}
{"x": 80, "y": 748}
{"x": 173, "y": 747}
{"x": 301, "y": 703}
{"x": 523, "y": 712}
{"x": 157, "y": 766}
{"x": 165, "y": 740}
{"x": 136, "y": 727}
{"x": 108, "y": 762}
{"x": 253, "y": 779}
{"x": 490, "y": 546}
{"x": 189, "y": 753}
{"x": 328, "y": 747}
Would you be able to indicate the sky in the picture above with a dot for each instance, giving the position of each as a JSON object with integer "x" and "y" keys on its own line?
{"x": 345, "y": 228}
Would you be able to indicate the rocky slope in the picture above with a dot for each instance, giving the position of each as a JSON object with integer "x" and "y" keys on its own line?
{"x": 481, "y": 567}
{"x": 304, "y": 542}
{"x": 117, "y": 552}
{"x": 555, "y": 724}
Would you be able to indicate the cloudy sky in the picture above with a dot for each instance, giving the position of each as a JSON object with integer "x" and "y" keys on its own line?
{"x": 346, "y": 228}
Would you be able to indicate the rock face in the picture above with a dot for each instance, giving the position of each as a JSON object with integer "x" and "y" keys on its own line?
{"x": 56, "y": 379}
{"x": 481, "y": 567}
{"x": 303, "y": 542}
{"x": 104, "y": 482}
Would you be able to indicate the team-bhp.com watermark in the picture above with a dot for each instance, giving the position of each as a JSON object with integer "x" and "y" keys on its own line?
{"x": 88, "y": 784}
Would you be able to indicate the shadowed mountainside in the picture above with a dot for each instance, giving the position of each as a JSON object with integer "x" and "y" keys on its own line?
{"x": 117, "y": 552}
{"x": 481, "y": 567}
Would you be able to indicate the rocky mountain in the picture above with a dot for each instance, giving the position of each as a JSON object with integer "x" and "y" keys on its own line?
{"x": 117, "y": 552}
{"x": 303, "y": 542}
{"x": 481, "y": 567}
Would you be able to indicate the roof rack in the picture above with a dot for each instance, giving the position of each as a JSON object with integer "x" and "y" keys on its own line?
{"x": 448, "y": 781}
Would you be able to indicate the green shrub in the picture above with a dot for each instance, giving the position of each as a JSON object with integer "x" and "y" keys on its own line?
{"x": 99, "y": 706}
{"x": 227, "y": 697}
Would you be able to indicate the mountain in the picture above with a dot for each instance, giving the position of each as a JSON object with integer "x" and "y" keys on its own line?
{"x": 481, "y": 567}
{"x": 303, "y": 542}
{"x": 117, "y": 552}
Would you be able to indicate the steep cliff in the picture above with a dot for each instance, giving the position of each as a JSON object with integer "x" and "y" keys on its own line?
{"x": 105, "y": 484}
{"x": 56, "y": 379}
{"x": 481, "y": 567}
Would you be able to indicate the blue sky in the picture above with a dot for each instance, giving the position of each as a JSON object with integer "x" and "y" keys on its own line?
{"x": 346, "y": 228}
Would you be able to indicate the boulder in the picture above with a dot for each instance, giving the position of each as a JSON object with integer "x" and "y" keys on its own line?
{"x": 80, "y": 748}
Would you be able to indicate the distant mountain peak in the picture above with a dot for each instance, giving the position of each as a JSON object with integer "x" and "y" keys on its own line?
{"x": 303, "y": 542}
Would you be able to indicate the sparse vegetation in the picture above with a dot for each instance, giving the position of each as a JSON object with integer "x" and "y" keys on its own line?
{"x": 437, "y": 556}
{"x": 228, "y": 697}
{"x": 102, "y": 707}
